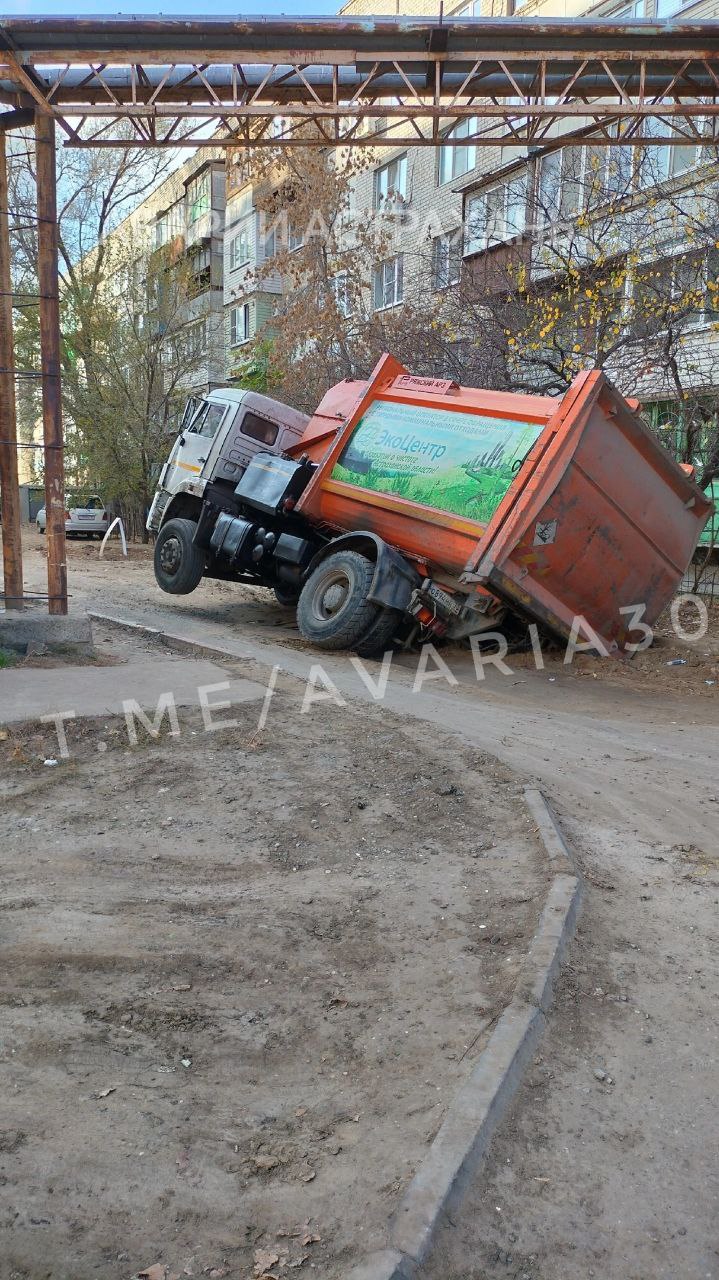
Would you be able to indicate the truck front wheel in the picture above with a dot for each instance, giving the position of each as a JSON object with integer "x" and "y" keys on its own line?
{"x": 179, "y": 564}
{"x": 333, "y": 610}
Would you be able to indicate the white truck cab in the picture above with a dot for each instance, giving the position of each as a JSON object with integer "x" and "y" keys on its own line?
{"x": 220, "y": 434}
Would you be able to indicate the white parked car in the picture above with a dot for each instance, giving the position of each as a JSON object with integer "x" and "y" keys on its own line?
{"x": 87, "y": 515}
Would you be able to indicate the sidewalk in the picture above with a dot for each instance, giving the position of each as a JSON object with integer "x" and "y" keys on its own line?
{"x": 29, "y": 694}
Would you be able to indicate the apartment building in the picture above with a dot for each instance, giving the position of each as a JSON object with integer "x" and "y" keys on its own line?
{"x": 182, "y": 220}
{"x": 454, "y": 211}
{"x": 457, "y": 209}
{"x": 185, "y": 217}
{"x": 251, "y": 287}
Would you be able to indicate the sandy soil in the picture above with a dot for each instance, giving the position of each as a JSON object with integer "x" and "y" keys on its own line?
{"x": 672, "y": 665}
{"x": 606, "y": 1165}
{"x": 611, "y": 1175}
{"x": 241, "y": 976}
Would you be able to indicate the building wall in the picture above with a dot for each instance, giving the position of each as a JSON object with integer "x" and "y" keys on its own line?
{"x": 433, "y": 207}
{"x": 248, "y": 281}
{"x": 166, "y": 218}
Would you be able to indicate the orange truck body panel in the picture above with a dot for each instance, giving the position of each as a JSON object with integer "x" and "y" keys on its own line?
{"x": 599, "y": 517}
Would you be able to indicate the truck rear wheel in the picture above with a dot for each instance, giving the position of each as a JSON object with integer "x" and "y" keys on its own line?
{"x": 286, "y": 595}
{"x": 179, "y": 564}
{"x": 381, "y": 633}
{"x": 333, "y": 610}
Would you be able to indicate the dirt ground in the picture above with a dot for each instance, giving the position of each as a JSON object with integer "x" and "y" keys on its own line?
{"x": 606, "y": 1165}
{"x": 242, "y": 975}
{"x": 671, "y": 665}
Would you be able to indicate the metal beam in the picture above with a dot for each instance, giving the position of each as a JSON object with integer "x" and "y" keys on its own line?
{"x": 339, "y": 72}
{"x": 395, "y": 141}
{"x": 9, "y": 492}
{"x": 48, "y": 279}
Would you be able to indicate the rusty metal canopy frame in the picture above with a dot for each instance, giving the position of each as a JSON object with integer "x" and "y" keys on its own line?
{"x": 258, "y": 82}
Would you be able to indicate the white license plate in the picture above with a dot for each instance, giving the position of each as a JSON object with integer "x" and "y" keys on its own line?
{"x": 443, "y": 598}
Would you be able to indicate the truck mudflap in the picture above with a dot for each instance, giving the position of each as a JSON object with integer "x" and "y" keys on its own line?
{"x": 597, "y": 530}
{"x": 395, "y": 579}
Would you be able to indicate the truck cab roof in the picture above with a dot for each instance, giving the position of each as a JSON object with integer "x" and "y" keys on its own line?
{"x": 264, "y": 405}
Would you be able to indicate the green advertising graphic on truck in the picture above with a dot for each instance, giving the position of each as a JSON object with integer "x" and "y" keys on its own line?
{"x": 447, "y": 460}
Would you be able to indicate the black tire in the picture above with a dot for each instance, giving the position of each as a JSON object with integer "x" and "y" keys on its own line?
{"x": 333, "y": 610}
{"x": 41, "y": 531}
{"x": 179, "y": 564}
{"x": 287, "y": 595}
{"x": 380, "y": 635}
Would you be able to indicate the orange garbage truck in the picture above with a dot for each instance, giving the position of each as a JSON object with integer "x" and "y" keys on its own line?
{"x": 410, "y": 507}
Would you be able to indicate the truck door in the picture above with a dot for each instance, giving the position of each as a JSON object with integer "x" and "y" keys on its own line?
{"x": 250, "y": 433}
{"x": 192, "y": 447}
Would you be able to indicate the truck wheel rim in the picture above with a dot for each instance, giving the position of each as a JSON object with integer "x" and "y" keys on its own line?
{"x": 331, "y": 597}
{"x": 170, "y": 555}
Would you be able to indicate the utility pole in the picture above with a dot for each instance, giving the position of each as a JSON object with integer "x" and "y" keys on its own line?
{"x": 47, "y": 239}
{"x": 9, "y": 490}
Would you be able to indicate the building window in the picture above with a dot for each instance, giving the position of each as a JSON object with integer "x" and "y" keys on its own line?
{"x": 168, "y": 225}
{"x": 665, "y": 8}
{"x": 340, "y": 292}
{"x": 695, "y": 286}
{"x": 390, "y": 183}
{"x": 198, "y": 197}
{"x": 682, "y": 291}
{"x": 496, "y": 215}
{"x": 239, "y": 249}
{"x": 711, "y": 297}
{"x": 559, "y": 194}
{"x": 239, "y": 206}
{"x": 618, "y": 168}
{"x": 457, "y": 160}
{"x": 446, "y": 260}
{"x": 388, "y": 283}
{"x": 626, "y": 12}
{"x": 380, "y": 124}
{"x": 200, "y": 261}
{"x": 240, "y": 325}
{"x": 295, "y": 238}
{"x": 270, "y": 243}
{"x": 238, "y": 169}
{"x": 471, "y": 10}
{"x": 192, "y": 343}
{"x": 661, "y": 163}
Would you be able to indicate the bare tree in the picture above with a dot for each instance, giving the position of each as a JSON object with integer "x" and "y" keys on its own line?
{"x": 135, "y": 357}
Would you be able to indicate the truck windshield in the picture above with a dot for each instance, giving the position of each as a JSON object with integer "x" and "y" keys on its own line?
{"x": 194, "y": 405}
{"x": 207, "y": 419}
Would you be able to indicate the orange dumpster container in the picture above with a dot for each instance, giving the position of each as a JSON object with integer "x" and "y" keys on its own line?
{"x": 601, "y": 520}
{"x": 569, "y": 511}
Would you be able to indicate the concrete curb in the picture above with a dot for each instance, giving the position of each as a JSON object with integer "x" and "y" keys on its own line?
{"x": 463, "y": 1139}
{"x": 170, "y": 639}
{"x": 457, "y": 1152}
